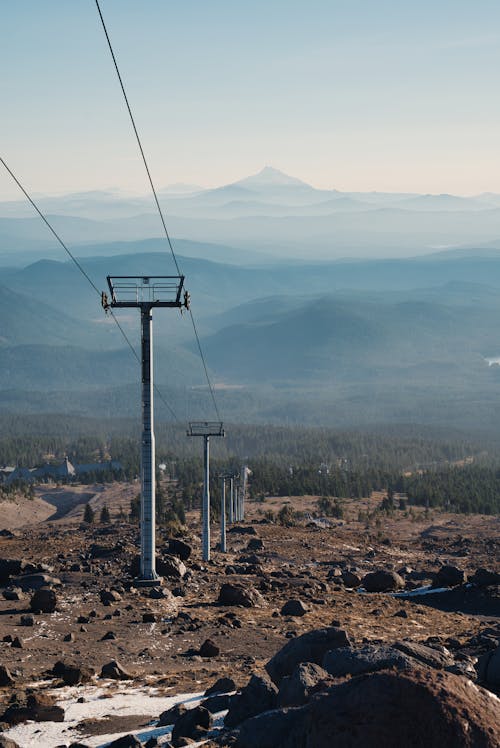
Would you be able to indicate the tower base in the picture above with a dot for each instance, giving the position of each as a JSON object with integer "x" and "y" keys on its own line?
{"x": 140, "y": 582}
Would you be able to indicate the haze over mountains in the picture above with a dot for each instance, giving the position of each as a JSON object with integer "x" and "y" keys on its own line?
{"x": 292, "y": 333}
{"x": 270, "y": 213}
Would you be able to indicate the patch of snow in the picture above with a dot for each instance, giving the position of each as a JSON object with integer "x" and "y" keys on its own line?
{"x": 421, "y": 591}
{"x": 99, "y": 702}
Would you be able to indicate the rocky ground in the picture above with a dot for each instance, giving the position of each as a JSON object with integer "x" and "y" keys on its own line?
{"x": 230, "y": 616}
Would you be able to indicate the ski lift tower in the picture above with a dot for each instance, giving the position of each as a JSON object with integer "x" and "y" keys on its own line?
{"x": 223, "y": 514}
{"x": 232, "y": 509}
{"x": 147, "y": 293}
{"x": 223, "y": 477}
{"x": 206, "y": 429}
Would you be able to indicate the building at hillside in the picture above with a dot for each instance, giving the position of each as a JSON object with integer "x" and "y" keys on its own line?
{"x": 64, "y": 472}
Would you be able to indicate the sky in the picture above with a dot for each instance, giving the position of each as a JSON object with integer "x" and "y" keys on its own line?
{"x": 356, "y": 95}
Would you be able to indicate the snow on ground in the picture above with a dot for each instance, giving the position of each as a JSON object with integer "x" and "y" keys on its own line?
{"x": 421, "y": 591}
{"x": 100, "y": 702}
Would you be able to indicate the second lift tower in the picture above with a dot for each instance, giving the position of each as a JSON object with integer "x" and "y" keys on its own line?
{"x": 146, "y": 293}
{"x": 206, "y": 429}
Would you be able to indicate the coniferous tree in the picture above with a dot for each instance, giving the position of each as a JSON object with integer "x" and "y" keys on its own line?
{"x": 89, "y": 514}
{"x": 135, "y": 508}
{"x": 105, "y": 515}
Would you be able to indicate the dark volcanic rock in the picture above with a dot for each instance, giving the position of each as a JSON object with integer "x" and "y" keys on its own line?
{"x": 44, "y": 601}
{"x": 179, "y": 548}
{"x": 192, "y": 724}
{"x": 277, "y": 729}
{"x": 219, "y": 703}
{"x": 6, "y": 678}
{"x": 38, "y": 707}
{"x": 366, "y": 659}
{"x": 97, "y": 550}
{"x": 488, "y": 669}
{"x": 485, "y": 578}
{"x": 255, "y": 544}
{"x": 209, "y": 649}
{"x": 449, "y": 576}
{"x": 170, "y": 567}
{"x": 251, "y": 560}
{"x": 115, "y": 671}
{"x": 413, "y": 709}
{"x": 12, "y": 593}
{"x": 222, "y": 685}
{"x": 310, "y": 647}
{"x": 109, "y": 596}
{"x": 35, "y": 581}
{"x": 373, "y": 657}
{"x": 161, "y": 593}
{"x": 294, "y": 608}
{"x": 10, "y": 567}
{"x": 259, "y": 695}
{"x": 427, "y": 655}
{"x": 295, "y": 688}
{"x": 71, "y": 673}
{"x": 382, "y": 581}
{"x": 350, "y": 579}
{"x": 242, "y": 530}
{"x": 126, "y": 741}
{"x": 171, "y": 715}
{"x": 237, "y": 594}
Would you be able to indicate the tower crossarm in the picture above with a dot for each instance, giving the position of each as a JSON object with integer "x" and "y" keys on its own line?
{"x": 147, "y": 291}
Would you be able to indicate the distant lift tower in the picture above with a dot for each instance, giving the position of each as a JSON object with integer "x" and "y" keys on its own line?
{"x": 232, "y": 513}
{"x": 223, "y": 514}
{"x": 206, "y": 429}
{"x": 241, "y": 493}
{"x": 145, "y": 293}
{"x": 223, "y": 478}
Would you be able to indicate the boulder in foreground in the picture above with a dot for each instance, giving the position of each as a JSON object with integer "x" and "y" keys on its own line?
{"x": 193, "y": 723}
{"x": 310, "y": 647}
{"x": 449, "y": 576}
{"x": 413, "y": 709}
{"x": 115, "y": 671}
{"x": 382, "y": 581}
{"x": 237, "y": 594}
{"x": 259, "y": 695}
{"x": 44, "y": 601}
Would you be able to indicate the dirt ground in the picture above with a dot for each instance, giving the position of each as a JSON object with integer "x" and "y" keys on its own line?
{"x": 294, "y": 563}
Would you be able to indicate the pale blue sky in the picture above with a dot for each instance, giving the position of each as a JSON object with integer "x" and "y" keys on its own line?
{"x": 353, "y": 94}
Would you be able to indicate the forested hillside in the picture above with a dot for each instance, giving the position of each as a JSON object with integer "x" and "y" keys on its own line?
{"x": 437, "y": 469}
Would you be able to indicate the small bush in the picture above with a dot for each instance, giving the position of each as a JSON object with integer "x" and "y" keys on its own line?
{"x": 287, "y": 516}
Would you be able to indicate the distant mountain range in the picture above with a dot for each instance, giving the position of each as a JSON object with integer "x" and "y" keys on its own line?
{"x": 299, "y": 317}
{"x": 269, "y": 212}
{"x": 344, "y": 342}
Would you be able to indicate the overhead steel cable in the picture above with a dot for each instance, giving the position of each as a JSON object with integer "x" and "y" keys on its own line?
{"x": 212, "y": 394}
{"x": 162, "y": 218}
{"x": 137, "y": 137}
{"x": 83, "y": 272}
{"x": 16, "y": 180}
